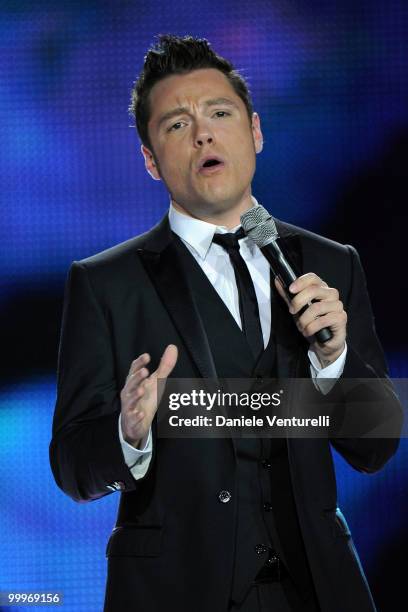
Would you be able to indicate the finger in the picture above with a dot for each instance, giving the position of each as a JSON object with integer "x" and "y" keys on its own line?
{"x": 140, "y": 418}
{"x": 132, "y": 384}
{"x": 134, "y": 381}
{"x": 136, "y": 417}
{"x": 313, "y": 292}
{"x": 132, "y": 403}
{"x": 304, "y": 281}
{"x": 138, "y": 363}
{"x": 167, "y": 362}
{"x": 335, "y": 320}
{"x": 318, "y": 309}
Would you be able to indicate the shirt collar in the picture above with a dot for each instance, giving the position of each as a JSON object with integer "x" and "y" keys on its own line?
{"x": 198, "y": 234}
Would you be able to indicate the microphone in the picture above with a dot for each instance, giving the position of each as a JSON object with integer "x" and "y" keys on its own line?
{"x": 259, "y": 225}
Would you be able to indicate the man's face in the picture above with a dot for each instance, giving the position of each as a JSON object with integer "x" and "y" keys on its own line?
{"x": 196, "y": 117}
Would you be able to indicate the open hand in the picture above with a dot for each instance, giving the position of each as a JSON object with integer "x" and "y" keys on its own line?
{"x": 139, "y": 397}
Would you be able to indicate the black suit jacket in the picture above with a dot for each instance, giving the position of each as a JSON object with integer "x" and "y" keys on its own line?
{"x": 173, "y": 543}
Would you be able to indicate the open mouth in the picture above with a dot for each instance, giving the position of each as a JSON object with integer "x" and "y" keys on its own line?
{"x": 211, "y": 162}
{"x": 211, "y": 165}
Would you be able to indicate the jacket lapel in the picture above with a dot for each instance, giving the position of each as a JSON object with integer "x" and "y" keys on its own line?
{"x": 289, "y": 241}
{"x": 160, "y": 258}
{"x": 290, "y": 345}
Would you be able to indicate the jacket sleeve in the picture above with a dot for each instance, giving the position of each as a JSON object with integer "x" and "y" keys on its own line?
{"x": 85, "y": 451}
{"x": 374, "y": 396}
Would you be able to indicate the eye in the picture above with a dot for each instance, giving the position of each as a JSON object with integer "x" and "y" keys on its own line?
{"x": 222, "y": 114}
{"x": 175, "y": 126}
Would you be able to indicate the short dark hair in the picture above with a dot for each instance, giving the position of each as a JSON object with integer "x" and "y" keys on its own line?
{"x": 179, "y": 55}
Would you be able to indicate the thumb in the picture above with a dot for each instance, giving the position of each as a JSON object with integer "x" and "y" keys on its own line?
{"x": 167, "y": 362}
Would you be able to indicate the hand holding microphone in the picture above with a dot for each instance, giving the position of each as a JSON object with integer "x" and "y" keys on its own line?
{"x": 319, "y": 313}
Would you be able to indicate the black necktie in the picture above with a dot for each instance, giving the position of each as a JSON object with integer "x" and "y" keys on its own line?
{"x": 248, "y": 305}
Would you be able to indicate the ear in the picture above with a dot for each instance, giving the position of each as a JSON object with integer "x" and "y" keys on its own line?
{"x": 150, "y": 164}
{"x": 256, "y": 133}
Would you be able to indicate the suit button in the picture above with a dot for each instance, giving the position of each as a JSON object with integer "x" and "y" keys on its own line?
{"x": 266, "y": 464}
{"x": 267, "y": 507}
{"x": 273, "y": 559}
{"x": 118, "y": 485}
{"x": 224, "y": 496}
{"x": 261, "y": 549}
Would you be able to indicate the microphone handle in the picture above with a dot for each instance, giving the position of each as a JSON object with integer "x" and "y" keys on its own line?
{"x": 283, "y": 270}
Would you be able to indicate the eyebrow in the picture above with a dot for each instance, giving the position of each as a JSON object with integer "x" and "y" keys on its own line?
{"x": 217, "y": 101}
{"x": 180, "y": 110}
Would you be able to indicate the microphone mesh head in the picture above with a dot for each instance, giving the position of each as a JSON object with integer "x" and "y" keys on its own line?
{"x": 259, "y": 225}
{"x": 264, "y": 233}
{"x": 252, "y": 217}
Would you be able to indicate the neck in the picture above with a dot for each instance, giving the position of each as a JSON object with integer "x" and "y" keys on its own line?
{"x": 227, "y": 218}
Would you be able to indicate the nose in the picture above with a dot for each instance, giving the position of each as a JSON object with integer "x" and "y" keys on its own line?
{"x": 203, "y": 139}
{"x": 203, "y": 135}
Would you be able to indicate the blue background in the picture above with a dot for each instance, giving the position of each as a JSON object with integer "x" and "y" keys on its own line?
{"x": 329, "y": 81}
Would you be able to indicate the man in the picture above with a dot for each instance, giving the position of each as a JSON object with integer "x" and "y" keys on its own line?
{"x": 215, "y": 524}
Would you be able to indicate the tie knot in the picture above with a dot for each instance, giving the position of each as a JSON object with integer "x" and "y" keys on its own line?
{"x": 229, "y": 241}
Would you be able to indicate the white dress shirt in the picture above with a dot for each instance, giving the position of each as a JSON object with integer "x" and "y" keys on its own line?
{"x": 197, "y": 235}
